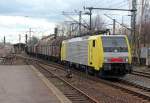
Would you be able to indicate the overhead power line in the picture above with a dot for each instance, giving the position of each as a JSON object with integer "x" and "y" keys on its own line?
{"x": 133, "y": 10}
{"x": 77, "y": 13}
{"x": 118, "y": 22}
{"x": 91, "y": 8}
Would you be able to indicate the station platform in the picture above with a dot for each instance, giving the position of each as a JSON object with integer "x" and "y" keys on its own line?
{"x": 25, "y": 84}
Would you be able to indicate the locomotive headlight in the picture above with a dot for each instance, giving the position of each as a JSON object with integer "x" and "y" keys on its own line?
{"x": 106, "y": 60}
{"x": 126, "y": 59}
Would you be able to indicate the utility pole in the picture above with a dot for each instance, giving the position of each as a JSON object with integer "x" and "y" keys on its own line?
{"x": 4, "y": 40}
{"x": 19, "y": 38}
{"x": 80, "y": 18}
{"x": 19, "y": 42}
{"x": 114, "y": 26}
{"x": 90, "y": 13}
{"x": 26, "y": 39}
{"x": 30, "y": 34}
{"x": 133, "y": 21}
{"x": 55, "y": 32}
{"x": 135, "y": 39}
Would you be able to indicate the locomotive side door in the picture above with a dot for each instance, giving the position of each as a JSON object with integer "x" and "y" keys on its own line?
{"x": 93, "y": 53}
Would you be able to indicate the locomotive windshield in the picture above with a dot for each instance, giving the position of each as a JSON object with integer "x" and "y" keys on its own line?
{"x": 114, "y": 44}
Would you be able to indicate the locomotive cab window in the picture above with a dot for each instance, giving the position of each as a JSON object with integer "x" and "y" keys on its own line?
{"x": 93, "y": 43}
{"x": 112, "y": 44}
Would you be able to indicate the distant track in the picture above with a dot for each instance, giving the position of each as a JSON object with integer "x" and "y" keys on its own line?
{"x": 143, "y": 74}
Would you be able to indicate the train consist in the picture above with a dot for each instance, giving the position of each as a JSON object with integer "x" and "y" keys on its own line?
{"x": 104, "y": 55}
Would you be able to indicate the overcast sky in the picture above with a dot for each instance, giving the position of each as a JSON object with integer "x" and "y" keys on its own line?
{"x": 17, "y": 16}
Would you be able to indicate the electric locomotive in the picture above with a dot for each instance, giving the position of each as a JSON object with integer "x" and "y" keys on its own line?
{"x": 106, "y": 55}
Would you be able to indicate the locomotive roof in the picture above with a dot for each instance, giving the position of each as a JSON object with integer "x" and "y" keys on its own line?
{"x": 113, "y": 35}
{"x": 91, "y": 37}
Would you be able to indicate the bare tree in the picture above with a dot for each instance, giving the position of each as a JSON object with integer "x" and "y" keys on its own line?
{"x": 145, "y": 34}
{"x": 144, "y": 24}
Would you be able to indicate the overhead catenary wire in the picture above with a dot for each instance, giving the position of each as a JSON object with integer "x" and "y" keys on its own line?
{"x": 74, "y": 20}
{"x": 118, "y": 22}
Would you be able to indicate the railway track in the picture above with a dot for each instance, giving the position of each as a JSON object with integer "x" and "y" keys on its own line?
{"x": 131, "y": 83}
{"x": 71, "y": 92}
{"x": 129, "y": 87}
{"x": 132, "y": 89}
{"x": 143, "y": 74}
